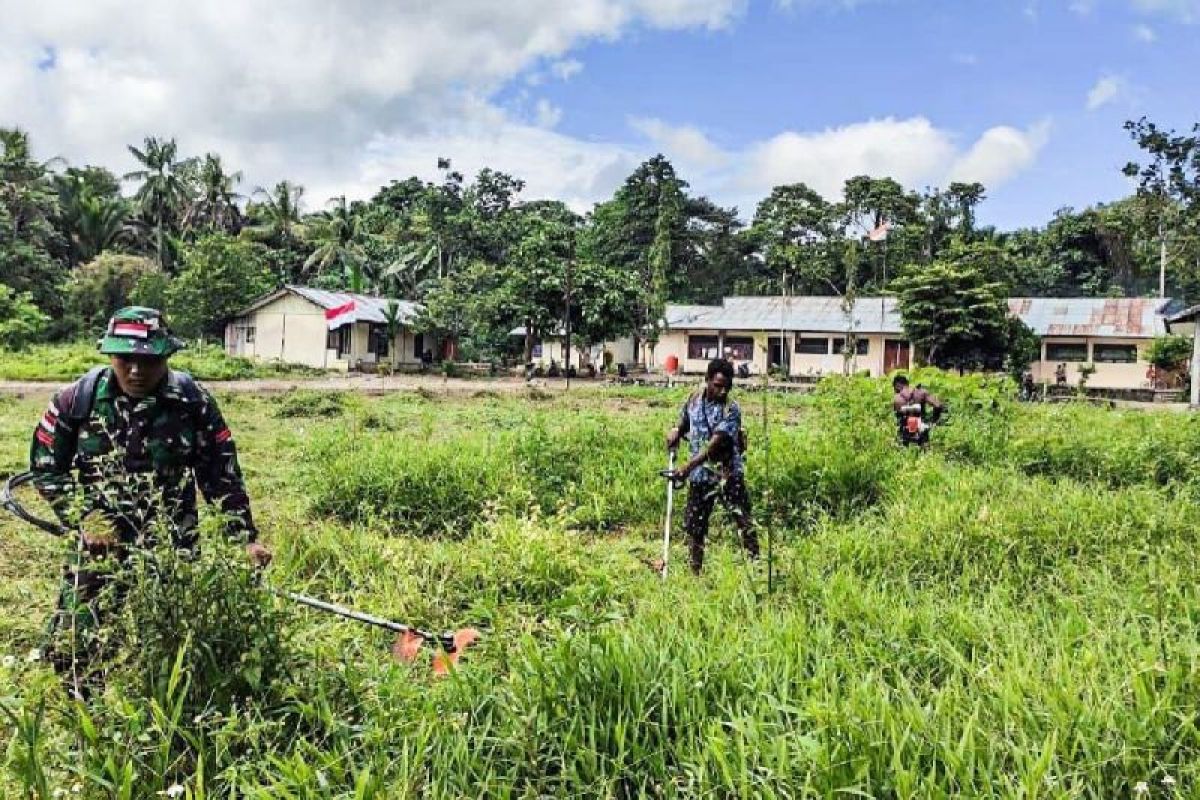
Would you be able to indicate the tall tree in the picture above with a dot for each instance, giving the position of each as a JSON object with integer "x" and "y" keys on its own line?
{"x": 954, "y": 312}
{"x": 641, "y": 231}
{"x": 220, "y": 274}
{"x": 276, "y": 215}
{"x": 1168, "y": 185}
{"x": 337, "y": 236}
{"x": 798, "y": 235}
{"x": 28, "y": 239}
{"x": 162, "y": 195}
{"x": 213, "y": 204}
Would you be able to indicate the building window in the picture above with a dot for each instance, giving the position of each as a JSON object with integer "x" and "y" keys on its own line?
{"x": 739, "y": 348}
{"x": 339, "y": 340}
{"x": 250, "y": 334}
{"x": 1115, "y": 353}
{"x": 1066, "y": 351}
{"x": 861, "y": 347}
{"x": 700, "y": 347}
{"x": 812, "y": 346}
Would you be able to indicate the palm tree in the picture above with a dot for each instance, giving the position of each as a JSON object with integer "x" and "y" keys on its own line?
{"x": 279, "y": 211}
{"x": 24, "y": 189}
{"x": 97, "y": 223}
{"x": 215, "y": 204}
{"x": 163, "y": 193}
{"x": 338, "y": 236}
{"x": 93, "y": 221}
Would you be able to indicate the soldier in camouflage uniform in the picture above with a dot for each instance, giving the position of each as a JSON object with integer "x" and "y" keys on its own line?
{"x": 127, "y": 445}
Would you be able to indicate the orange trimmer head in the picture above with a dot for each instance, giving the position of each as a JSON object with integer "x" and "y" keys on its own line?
{"x": 448, "y": 648}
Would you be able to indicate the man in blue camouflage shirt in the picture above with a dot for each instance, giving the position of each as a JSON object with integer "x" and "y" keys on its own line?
{"x": 716, "y": 469}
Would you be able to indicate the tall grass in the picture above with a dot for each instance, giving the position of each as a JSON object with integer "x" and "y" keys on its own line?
{"x": 65, "y": 362}
{"x": 1010, "y": 614}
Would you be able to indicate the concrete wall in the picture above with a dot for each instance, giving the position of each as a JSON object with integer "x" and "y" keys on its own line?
{"x": 293, "y": 330}
{"x": 289, "y": 329}
{"x": 1106, "y": 376}
{"x": 553, "y": 348}
{"x": 676, "y": 343}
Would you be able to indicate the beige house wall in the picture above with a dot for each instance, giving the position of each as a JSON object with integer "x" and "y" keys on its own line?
{"x": 1106, "y": 376}
{"x": 676, "y": 343}
{"x": 293, "y": 330}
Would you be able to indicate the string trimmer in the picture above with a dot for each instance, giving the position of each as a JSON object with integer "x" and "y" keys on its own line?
{"x": 409, "y": 639}
{"x": 673, "y": 482}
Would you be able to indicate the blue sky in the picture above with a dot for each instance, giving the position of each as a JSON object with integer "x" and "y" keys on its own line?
{"x": 965, "y": 66}
{"x": 1027, "y": 96}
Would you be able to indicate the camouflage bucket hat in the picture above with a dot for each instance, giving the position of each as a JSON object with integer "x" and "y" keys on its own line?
{"x": 139, "y": 331}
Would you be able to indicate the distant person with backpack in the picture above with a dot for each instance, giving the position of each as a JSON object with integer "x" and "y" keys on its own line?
{"x": 133, "y": 440}
{"x": 912, "y": 408}
{"x": 712, "y": 424}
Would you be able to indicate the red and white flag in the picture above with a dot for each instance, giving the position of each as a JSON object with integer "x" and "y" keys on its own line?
{"x": 334, "y": 313}
{"x": 880, "y": 233}
{"x": 138, "y": 330}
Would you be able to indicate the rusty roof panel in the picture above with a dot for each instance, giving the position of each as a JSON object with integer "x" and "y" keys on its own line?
{"x": 1114, "y": 317}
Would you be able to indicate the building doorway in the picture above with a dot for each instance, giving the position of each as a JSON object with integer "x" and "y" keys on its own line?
{"x": 896, "y": 355}
{"x": 778, "y": 355}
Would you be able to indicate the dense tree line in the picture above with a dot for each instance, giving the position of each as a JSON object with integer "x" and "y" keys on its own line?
{"x": 483, "y": 259}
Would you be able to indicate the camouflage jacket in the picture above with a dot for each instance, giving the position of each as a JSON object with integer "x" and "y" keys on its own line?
{"x": 139, "y": 461}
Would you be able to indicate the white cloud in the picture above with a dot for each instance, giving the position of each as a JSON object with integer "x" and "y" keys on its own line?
{"x": 683, "y": 142}
{"x": 911, "y": 151}
{"x": 965, "y": 59}
{"x": 552, "y": 165}
{"x": 1107, "y": 89}
{"x": 567, "y": 68}
{"x": 547, "y": 114}
{"x": 1186, "y": 11}
{"x": 999, "y": 154}
{"x": 297, "y": 92}
{"x": 346, "y": 97}
{"x": 1082, "y": 7}
{"x": 1144, "y": 33}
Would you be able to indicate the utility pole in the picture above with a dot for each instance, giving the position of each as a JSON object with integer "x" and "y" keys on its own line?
{"x": 570, "y": 269}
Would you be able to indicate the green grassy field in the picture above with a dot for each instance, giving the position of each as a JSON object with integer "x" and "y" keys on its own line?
{"x": 1012, "y": 614}
{"x": 64, "y": 362}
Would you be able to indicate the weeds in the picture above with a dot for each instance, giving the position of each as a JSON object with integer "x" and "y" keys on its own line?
{"x": 1010, "y": 614}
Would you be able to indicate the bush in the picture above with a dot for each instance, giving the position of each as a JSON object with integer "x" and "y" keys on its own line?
{"x": 21, "y": 322}
{"x": 205, "y": 362}
{"x": 308, "y": 403}
{"x": 106, "y": 283}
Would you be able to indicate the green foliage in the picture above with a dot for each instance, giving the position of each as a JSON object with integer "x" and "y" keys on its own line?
{"x": 954, "y": 310}
{"x": 163, "y": 194}
{"x": 65, "y": 362}
{"x": 209, "y": 611}
{"x": 220, "y": 276}
{"x": 308, "y": 403}
{"x": 1009, "y": 613}
{"x": 1169, "y": 352}
{"x": 1023, "y": 347}
{"x": 106, "y": 283}
{"x": 30, "y": 247}
{"x": 21, "y": 322}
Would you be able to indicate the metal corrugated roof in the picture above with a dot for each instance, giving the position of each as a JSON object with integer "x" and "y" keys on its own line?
{"x": 825, "y": 314}
{"x": 1128, "y": 317}
{"x": 366, "y": 307}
